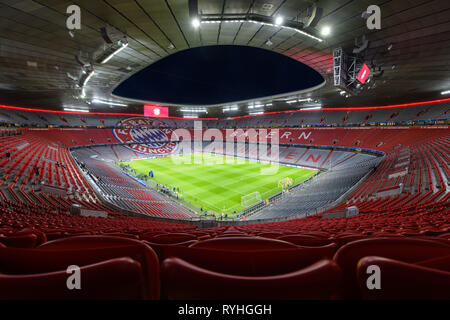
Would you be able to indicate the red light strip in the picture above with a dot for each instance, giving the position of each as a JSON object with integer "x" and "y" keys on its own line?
{"x": 93, "y": 113}
{"x": 403, "y": 105}
{"x": 67, "y": 112}
{"x": 393, "y": 106}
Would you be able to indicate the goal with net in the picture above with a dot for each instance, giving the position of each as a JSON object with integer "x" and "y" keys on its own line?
{"x": 151, "y": 183}
{"x": 285, "y": 183}
{"x": 250, "y": 199}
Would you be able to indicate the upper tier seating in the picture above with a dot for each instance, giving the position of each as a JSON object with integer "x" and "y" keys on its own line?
{"x": 423, "y": 112}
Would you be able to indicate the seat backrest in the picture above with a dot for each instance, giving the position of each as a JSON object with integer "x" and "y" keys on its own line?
{"x": 170, "y": 238}
{"x": 251, "y": 263}
{"x": 401, "y": 280}
{"x": 344, "y": 239}
{"x": 88, "y": 242}
{"x": 270, "y": 235}
{"x": 305, "y": 240}
{"x": 27, "y": 240}
{"x": 182, "y": 280}
{"x": 119, "y": 234}
{"x": 232, "y": 234}
{"x": 243, "y": 244}
{"x": 441, "y": 263}
{"x": 119, "y": 278}
{"x": 444, "y": 236}
{"x": 159, "y": 247}
{"x": 402, "y": 249}
{"x": 41, "y": 237}
{"x": 445, "y": 241}
{"x": 86, "y": 248}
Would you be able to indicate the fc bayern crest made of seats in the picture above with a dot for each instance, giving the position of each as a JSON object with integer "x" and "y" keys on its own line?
{"x": 148, "y": 140}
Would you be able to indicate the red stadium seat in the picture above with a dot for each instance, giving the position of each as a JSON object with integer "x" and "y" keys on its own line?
{"x": 317, "y": 281}
{"x": 119, "y": 234}
{"x": 87, "y": 248}
{"x": 401, "y": 280}
{"x": 160, "y": 247}
{"x": 27, "y": 240}
{"x": 251, "y": 263}
{"x": 170, "y": 238}
{"x": 406, "y": 250}
{"x": 445, "y": 236}
{"x": 305, "y": 240}
{"x": 232, "y": 234}
{"x": 41, "y": 237}
{"x": 342, "y": 240}
{"x": 243, "y": 244}
{"x": 441, "y": 263}
{"x": 116, "y": 279}
{"x": 270, "y": 235}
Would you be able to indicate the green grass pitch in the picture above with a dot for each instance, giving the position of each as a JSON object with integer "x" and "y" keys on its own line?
{"x": 217, "y": 182}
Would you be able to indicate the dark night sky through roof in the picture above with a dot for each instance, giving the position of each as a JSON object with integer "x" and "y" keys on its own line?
{"x": 218, "y": 74}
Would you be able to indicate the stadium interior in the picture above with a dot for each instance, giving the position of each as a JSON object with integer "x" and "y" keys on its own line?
{"x": 285, "y": 195}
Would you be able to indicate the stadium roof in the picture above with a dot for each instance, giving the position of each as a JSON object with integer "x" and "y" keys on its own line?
{"x": 38, "y": 66}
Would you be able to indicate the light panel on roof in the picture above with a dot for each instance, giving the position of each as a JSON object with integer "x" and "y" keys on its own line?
{"x": 279, "y": 20}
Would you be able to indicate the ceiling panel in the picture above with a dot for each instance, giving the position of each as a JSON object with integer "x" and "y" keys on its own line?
{"x": 37, "y": 52}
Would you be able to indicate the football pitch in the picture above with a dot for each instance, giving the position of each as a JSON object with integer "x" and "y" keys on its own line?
{"x": 217, "y": 182}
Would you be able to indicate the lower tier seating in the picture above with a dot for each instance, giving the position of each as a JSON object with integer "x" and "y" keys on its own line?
{"x": 311, "y": 258}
